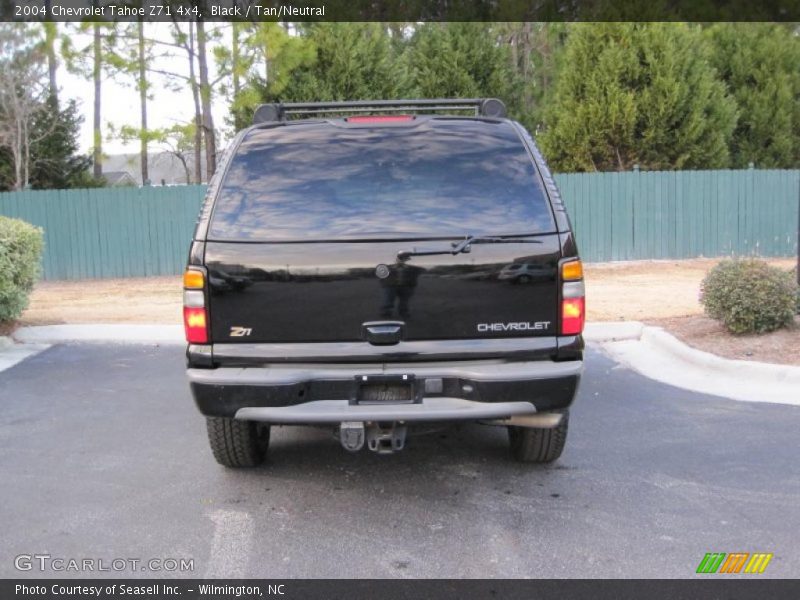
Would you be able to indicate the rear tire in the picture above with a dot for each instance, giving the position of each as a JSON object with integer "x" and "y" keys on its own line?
{"x": 237, "y": 443}
{"x": 538, "y": 445}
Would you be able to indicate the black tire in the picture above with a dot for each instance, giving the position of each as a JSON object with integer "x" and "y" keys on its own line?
{"x": 538, "y": 445}
{"x": 237, "y": 443}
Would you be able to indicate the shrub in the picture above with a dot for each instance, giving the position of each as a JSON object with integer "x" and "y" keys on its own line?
{"x": 797, "y": 303}
{"x": 749, "y": 296}
{"x": 20, "y": 252}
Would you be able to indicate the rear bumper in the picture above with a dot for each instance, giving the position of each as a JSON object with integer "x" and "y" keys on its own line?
{"x": 474, "y": 390}
{"x": 430, "y": 409}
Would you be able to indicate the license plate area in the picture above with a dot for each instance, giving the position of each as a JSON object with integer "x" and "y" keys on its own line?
{"x": 387, "y": 389}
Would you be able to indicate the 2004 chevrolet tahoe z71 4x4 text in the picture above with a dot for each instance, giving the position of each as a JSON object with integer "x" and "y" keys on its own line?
{"x": 380, "y": 271}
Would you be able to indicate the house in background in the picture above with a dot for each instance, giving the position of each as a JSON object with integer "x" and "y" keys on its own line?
{"x": 119, "y": 179}
{"x": 164, "y": 168}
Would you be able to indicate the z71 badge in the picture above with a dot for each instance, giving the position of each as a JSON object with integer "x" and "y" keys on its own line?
{"x": 240, "y": 331}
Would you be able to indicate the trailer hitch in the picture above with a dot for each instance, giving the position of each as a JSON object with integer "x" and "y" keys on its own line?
{"x": 383, "y": 438}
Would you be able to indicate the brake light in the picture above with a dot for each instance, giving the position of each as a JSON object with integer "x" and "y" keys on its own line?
{"x": 195, "y": 321}
{"x": 572, "y": 316}
{"x": 573, "y": 298}
{"x": 380, "y": 119}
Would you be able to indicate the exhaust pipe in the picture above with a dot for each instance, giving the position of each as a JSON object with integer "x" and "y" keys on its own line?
{"x": 539, "y": 421}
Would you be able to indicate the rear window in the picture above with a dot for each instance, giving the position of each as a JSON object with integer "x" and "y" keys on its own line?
{"x": 432, "y": 179}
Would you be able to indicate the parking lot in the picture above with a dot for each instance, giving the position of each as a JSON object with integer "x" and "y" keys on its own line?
{"x": 103, "y": 455}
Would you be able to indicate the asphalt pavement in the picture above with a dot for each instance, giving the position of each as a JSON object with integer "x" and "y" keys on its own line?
{"x": 103, "y": 456}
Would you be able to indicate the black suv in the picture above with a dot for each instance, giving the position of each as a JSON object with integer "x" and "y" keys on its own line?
{"x": 356, "y": 272}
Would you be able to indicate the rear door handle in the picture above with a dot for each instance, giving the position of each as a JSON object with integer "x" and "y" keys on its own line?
{"x": 382, "y": 333}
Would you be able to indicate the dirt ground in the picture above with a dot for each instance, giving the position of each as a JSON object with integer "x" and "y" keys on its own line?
{"x": 135, "y": 300}
{"x": 646, "y": 290}
{"x": 700, "y": 332}
{"x": 664, "y": 293}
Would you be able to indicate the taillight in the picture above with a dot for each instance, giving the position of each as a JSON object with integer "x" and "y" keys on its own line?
{"x": 572, "y": 312}
{"x": 195, "y": 319}
{"x": 573, "y": 298}
{"x": 193, "y": 280}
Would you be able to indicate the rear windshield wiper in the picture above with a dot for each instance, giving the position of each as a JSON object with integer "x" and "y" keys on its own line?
{"x": 465, "y": 246}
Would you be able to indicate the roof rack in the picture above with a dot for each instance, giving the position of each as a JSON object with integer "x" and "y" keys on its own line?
{"x": 484, "y": 107}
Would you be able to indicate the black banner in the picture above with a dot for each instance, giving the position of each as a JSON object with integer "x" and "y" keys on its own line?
{"x": 388, "y": 589}
{"x": 400, "y": 10}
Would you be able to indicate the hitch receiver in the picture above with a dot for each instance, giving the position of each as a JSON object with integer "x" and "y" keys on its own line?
{"x": 386, "y": 438}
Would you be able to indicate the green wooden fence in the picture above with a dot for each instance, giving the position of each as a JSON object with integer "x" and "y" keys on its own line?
{"x": 683, "y": 214}
{"x": 132, "y": 232}
{"x": 110, "y": 232}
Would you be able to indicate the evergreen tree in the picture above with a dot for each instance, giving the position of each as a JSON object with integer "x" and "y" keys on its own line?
{"x": 535, "y": 50}
{"x": 350, "y": 61}
{"x": 637, "y": 93}
{"x": 461, "y": 60}
{"x": 55, "y": 160}
{"x": 262, "y": 62}
{"x": 94, "y": 60}
{"x": 760, "y": 64}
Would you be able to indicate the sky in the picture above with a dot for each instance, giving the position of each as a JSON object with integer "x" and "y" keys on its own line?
{"x": 120, "y": 99}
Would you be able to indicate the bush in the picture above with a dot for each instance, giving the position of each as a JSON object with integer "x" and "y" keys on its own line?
{"x": 794, "y": 278}
{"x": 20, "y": 252}
{"x": 749, "y": 296}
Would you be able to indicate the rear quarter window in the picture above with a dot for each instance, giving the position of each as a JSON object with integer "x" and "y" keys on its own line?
{"x": 435, "y": 178}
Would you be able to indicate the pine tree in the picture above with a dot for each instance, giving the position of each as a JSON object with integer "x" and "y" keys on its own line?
{"x": 760, "y": 64}
{"x": 460, "y": 60}
{"x": 351, "y": 61}
{"x": 55, "y": 160}
{"x": 637, "y": 93}
{"x": 94, "y": 60}
{"x": 262, "y": 62}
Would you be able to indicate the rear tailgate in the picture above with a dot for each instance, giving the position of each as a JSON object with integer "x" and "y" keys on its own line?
{"x": 310, "y": 219}
{"x": 325, "y": 292}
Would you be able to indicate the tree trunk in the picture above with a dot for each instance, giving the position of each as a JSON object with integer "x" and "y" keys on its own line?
{"x": 98, "y": 135}
{"x": 198, "y": 124}
{"x": 143, "y": 103}
{"x": 205, "y": 97}
{"x": 525, "y": 40}
{"x": 27, "y": 161}
{"x": 235, "y": 60}
{"x": 50, "y": 35}
{"x": 18, "y": 155}
{"x": 188, "y": 174}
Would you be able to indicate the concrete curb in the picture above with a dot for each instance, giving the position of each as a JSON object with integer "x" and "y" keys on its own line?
{"x": 660, "y": 356}
{"x": 613, "y": 331}
{"x": 112, "y": 333}
{"x": 660, "y": 339}
{"x": 12, "y": 354}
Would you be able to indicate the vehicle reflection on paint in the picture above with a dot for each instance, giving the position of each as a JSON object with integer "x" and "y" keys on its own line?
{"x": 527, "y": 273}
{"x": 220, "y": 281}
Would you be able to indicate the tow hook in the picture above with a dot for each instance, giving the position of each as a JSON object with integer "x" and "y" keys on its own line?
{"x": 383, "y": 438}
